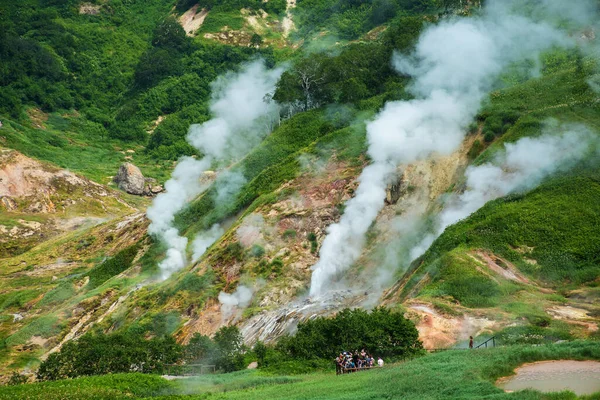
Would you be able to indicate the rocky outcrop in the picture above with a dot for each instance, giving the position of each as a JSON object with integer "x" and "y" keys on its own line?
{"x": 31, "y": 186}
{"x": 131, "y": 180}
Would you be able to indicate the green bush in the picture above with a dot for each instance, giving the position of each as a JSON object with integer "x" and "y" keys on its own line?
{"x": 107, "y": 354}
{"x": 113, "y": 266}
{"x": 381, "y": 332}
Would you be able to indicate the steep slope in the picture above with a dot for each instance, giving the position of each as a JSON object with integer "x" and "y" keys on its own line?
{"x": 79, "y": 255}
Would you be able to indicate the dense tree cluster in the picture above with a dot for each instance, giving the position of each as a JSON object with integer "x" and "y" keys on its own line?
{"x": 383, "y": 332}
{"x": 106, "y": 354}
{"x": 348, "y": 19}
{"x": 276, "y": 7}
{"x": 130, "y": 351}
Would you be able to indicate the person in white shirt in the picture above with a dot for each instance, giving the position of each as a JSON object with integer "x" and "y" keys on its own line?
{"x": 380, "y": 362}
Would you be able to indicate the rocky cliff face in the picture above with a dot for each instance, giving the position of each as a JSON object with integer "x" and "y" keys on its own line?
{"x": 39, "y": 200}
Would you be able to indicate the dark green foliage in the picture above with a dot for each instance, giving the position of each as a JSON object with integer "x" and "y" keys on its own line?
{"x": 200, "y": 349}
{"x": 349, "y": 19}
{"x": 229, "y": 342}
{"x": 225, "y": 349}
{"x": 113, "y": 266}
{"x": 260, "y": 350}
{"x": 289, "y": 234}
{"x": 16, "y": 379}
{"x": 381, "y": 333}
{"x": 272, "y": 6}
{"x": 358, "y": 72}
{"x": 106, "y": 354}
{"x": 155, "y": 65}
{"x": 314, "y": 244}
{"x": 256, "y": 40}
{"x": 475, "y": 150}
{"x": 257, "y": 251}
{"x": 17, "y": 299}
{"x": 170, "y": 34}
{"x": 194, "y": 283}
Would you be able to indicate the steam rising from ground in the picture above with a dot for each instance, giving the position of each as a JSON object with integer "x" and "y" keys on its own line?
{"x": 454, "y": 66}
{"x": 232, "y": 305}
{"x": 521, "y": 166}
{"x": 236, "y": 301}
{"x": 241, "y": 119}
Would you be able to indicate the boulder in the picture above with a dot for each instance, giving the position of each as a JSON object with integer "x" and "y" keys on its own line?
{"x": 130, "y": 179}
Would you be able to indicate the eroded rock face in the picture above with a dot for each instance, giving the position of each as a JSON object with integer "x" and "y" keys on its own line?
{"x": 130, "y": 179}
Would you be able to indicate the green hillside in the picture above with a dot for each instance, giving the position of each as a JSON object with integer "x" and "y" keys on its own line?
{"x": 87, "y": 86}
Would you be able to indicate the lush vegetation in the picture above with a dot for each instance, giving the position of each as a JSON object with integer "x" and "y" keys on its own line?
{"x": 106, "y": 354}
{"x": 120, "y": 68}
{"x": 348, "y": 19}
{"x": 112, "y": 266}
{"x": 380, "y": 332}
{"x": 451, "y": 374}
{"x": 130, "y": 351}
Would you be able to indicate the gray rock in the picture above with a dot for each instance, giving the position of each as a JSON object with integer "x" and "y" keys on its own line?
{"x": 130, "y": 179}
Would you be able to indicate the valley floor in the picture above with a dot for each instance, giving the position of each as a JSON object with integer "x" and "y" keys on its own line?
{"x": 457, "y": 374}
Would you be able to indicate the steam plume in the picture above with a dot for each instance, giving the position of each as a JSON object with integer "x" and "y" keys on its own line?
{"x": 454, "y": 66}
{"x": 233, "y": 304}
{"x": 241, "y": 119}
{"x": 521, "y": 166}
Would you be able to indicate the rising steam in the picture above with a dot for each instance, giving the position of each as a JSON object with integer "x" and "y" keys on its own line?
{"x": 454, "y": 66}
{"x": 241, "y": 118}
{"x": 521, "y": 166}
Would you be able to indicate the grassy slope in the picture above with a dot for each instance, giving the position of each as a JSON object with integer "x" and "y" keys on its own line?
{"x": 452, "y": 374}
{"x": 559, "y": 220}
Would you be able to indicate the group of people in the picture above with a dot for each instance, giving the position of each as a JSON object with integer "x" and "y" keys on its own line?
{"x": 348, "y": 361}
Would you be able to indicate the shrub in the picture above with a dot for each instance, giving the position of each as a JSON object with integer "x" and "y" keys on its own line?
{"x": 105, "y": 354}
{"x": 257, "y": 251}
{"x": 289, "y": 234}
{"x": 113, "y": 266}
{"x": 381, "y": 332}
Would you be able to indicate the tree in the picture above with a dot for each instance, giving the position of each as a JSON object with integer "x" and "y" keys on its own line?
{"x": 305, "y": 86}
{"x": 104, "y": 354}
{"x": 380, "y": 332}
{"x": 230, "y": 346}
{"x": 200, "y": 347}
{"x": 256, "y": 40}
{"x": 170, "y": 34}
{"x": 155, "y": 65}
{"x": 260, "y": 350}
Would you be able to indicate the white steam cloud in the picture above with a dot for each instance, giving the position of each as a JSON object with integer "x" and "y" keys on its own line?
{"x": 241, "y": 119}
{"x": 203, "y": 240}
{"x": 521, "y": 166}
{"x": 454, "y": 66}
{"x": 232, "y": 305}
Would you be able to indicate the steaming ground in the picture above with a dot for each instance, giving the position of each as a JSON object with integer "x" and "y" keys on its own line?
{"x": 454, "y": 66}
{"x": 241, "y": 120}
{"x": 521, "y": 166}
